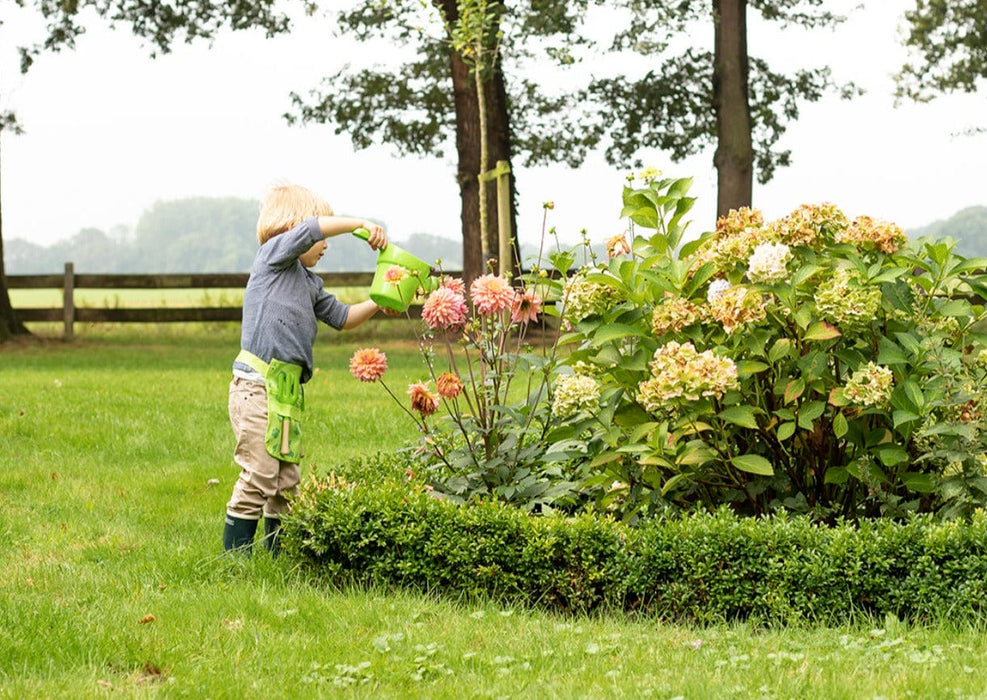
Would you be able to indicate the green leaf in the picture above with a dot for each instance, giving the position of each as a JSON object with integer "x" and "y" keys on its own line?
{"x": 753, "y": 464}
{"x": 840, "y": 425}
{"x": 821, "y": 330}
{"x": 956, "y": 307}
{"x": 891, "y": 455}
{"x": 615, "y": 331}
{"x": 746, "y": 368}
{"x": 917, "y": 481}
{"x": 794, "y": 389}
{"x": 739, "y": 415}
{"x": 782, "y": 348}
{"x": 696, "y": 454}
{"x": 836, "y": 475}
{"x": 888, "y": 353}
{"x": 914, "y": 393}
{"x": 785, "y": 431}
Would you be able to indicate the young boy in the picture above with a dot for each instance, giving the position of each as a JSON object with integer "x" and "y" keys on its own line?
{"x": 281, "y": 306}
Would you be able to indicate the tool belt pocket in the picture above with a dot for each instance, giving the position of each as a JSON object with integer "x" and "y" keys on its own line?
{"x": 285, "y": 406}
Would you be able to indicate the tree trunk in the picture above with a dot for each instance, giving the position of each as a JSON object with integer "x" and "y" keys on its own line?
{"x": 9, "y": 325}
{"x": 467, "y": 108}
{"x": 734, "y": 158}
{"x": 499, "y": 136}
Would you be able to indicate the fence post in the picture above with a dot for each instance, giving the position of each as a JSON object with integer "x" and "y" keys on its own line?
{"x": 504, "y": 232}
{"x": 68, "y": 301}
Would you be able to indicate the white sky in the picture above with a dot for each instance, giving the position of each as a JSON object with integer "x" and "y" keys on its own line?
{"x": 110, "y": 131}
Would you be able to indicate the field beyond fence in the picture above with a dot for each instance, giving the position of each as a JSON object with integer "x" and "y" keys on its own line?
{"x": 225, "y": 307}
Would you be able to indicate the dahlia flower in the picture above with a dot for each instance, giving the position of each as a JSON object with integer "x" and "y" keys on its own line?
{"x": 491, "y": 294}
{"x": 617, "y": 245}
{"x": 368, "y": 364}
{"x": 422, "y": 399}
{"x": 449, "y": 385}
{"x": 444, "y": 309}
{"x": 526, "y": 307}
{"x": 395, "y": 274}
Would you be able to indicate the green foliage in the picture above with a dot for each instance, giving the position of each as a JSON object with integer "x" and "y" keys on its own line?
{"x": 948, "y": 53}
{"x": 704, "y": 567}
{"x": 159, "y": 24}
{"x": 808, "y": 364}
{"x": 409, "y": 105}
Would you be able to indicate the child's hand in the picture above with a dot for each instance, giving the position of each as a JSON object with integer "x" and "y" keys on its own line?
{"x": 377, "y": 238}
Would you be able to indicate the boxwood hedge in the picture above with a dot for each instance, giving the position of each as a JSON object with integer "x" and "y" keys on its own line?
{"x": 704, "y": 567}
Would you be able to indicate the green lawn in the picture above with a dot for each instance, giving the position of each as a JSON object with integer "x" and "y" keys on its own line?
{"x": 113, "y": 582}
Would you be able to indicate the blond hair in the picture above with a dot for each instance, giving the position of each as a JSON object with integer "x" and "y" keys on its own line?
{"x": 286, "y": 206}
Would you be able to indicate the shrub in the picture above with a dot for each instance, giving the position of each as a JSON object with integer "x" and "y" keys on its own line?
{"x": 700, "y": 567}
{"x": 815, "y": 364}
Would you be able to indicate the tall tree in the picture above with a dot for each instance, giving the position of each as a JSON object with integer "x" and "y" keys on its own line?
{"x": 432, "y": 100}
{"x": 693, "y": 99}
{"x": 9, "y": 325}
{"x": 159, "y": 24}
{"x": 948, "y": 50}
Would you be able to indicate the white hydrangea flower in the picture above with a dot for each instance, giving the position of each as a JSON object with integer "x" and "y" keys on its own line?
{"x": 716, "y": 289}
{"x": 768, "y": 262}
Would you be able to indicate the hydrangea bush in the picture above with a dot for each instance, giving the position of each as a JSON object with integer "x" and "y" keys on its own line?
{"x": 815, "y": 363}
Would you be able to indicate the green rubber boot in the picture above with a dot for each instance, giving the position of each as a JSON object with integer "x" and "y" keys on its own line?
{"x": 272, "y": 535}
{"x": 238, "y": 534}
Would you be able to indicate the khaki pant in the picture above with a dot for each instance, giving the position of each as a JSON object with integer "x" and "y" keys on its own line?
{"x": 265, "y": 482}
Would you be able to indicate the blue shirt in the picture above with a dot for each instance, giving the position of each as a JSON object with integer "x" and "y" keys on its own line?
{"x": 284, "y": 300}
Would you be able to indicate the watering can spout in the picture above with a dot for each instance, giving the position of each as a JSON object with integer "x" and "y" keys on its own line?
{"x": 392, "y": 288}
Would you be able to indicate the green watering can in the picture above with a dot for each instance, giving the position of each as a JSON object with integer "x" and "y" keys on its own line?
{"x": 397, "y": 296}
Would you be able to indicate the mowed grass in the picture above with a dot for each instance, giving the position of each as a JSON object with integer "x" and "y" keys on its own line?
{"x": 113, "y": 582}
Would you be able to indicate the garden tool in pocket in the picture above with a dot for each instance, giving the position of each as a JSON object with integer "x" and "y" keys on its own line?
{"x": 285, "y": 406}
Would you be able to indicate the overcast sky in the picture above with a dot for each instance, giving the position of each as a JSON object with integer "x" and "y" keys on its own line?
{"x": 109, "y": 132}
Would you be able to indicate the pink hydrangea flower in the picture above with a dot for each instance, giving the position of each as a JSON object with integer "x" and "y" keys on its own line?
{"x": 526, "y": 307}
{"x": 444, "y": 309}
{"x": 491, "y": 294}
{"x": 422, "y": 399}
{"x": 449, "y": 385}
{"x": 368, "y": 364}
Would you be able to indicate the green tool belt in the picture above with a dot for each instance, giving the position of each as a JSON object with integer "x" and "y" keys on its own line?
{"x": 285, "y": 406}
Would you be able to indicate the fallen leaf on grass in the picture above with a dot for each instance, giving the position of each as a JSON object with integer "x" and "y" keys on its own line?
{"x": 147, "y": 618}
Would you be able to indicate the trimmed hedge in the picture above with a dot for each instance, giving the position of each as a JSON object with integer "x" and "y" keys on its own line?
{"x": 697, "y": 568}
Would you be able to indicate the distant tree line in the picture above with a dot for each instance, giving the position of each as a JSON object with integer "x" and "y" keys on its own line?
{"x": 204, "y": 234}
{"x": 200, "y": 234}
{"x": 968, "y": 226}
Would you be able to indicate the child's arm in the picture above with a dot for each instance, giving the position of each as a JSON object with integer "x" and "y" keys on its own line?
{"x": 335, "y": 225}
{"x": 359, "y": 313}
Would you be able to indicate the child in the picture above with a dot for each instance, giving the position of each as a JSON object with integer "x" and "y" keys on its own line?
{"x": 281, "y": 306}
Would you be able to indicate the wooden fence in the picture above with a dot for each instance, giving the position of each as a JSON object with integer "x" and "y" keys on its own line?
{"x": 69, "y": 314}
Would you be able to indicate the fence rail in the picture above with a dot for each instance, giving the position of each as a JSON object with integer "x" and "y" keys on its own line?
{"x": 69, "y": 314}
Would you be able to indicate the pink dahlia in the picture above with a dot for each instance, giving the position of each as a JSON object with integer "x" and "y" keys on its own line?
{"x": 394, "y": 274}
{"x": 423, "y": 400}
{"x": 368, "y": 364}
{"x": 449, "y": 385}
{"x": 444, "y": 309}
{"x": 617, "y": 245}
{"x": 456, "y": 284}
{"x": 491, "y": 294}
{"x": 527, "y": 306}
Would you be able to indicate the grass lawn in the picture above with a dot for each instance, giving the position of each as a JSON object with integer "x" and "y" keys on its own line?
{"x": 113, "y": 582}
